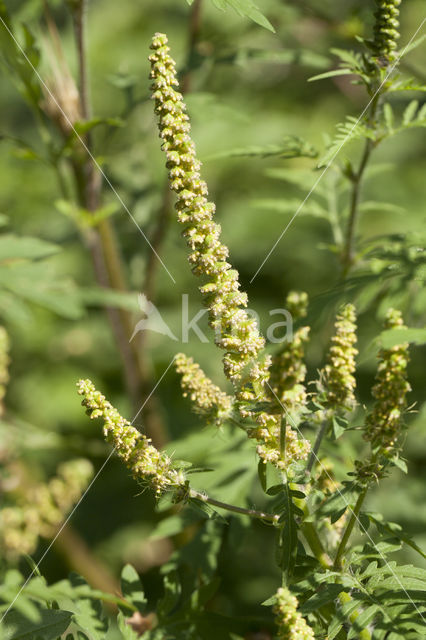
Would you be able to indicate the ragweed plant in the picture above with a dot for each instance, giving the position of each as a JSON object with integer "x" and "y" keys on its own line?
{"x": 341, "y": 593}
{"x": 298, "y": 451}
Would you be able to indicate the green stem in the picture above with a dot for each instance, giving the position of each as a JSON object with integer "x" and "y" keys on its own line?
{"x": 349, "y": 527}
{"x": 344, "y": 598}
{"x": 316, "y": 546}
{"x": 252, "y": 513}
{"x": 357, "y": 180}
{"x": 313, "y": 457}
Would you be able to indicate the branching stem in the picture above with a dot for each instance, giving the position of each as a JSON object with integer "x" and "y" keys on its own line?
{"x": 357, "y": 180}
{"x": 348, "y": 530}
{"x": 252, "y": 513}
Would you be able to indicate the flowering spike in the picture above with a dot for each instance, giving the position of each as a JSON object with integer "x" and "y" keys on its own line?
{"x": 236, "y": 332}
{"x": 384, "y": 423}
{"x": 386, "y": 31}
{"x": 208, "y": 400}
{"x": 142, "y": 458}
{"x": 291, "y": 624}
{"x": 4, "y": 363}
{"x": 337, "y": 382}
{"x": 43, "y": 508}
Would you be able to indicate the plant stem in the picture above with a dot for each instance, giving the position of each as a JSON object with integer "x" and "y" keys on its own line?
{"x": 194, "y": 31}
{"x": 313, "y": 457}
{"x": 316, "y": 546}
{"x": 357, "y": 179}
{"x": 349, "y": 527}
{"x": 252, "y": 513}
{"x": 344, "y": 598}
{"x": 106, "y": 258}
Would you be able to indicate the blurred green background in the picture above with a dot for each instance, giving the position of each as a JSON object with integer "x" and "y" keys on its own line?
{"x": 247, "y": 87}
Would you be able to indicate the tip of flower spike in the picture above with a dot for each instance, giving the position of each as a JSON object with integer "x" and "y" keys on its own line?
{"x": 393, "y": 319}
{"x": 159, "y": 40}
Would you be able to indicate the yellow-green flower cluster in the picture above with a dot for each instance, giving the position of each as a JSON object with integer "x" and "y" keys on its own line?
{"x": 386, "y": 29}
{"x": 42, "y": 508}
{"x": 4, "y": 363}
{"x": 384, "y": 423}
{"x": 208, "y": 400}
{"x": 268, "y": 434}
{"x": 236, "y": 332}
{"x": 291, "y": 625}
{"x": 278, "y": 381}
{"x": 144, "y": 461}
{"x": 288, "y": 370}
{"x": 337, "y": 383}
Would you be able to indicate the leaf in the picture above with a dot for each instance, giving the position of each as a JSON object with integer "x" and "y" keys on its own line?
{"x": 287, "y": 533}
{"x": 331, "y": 74}
{"x": 98, "y": 296}
{"x": 292, "y": 147}
{"x": 36, "y": 283}
{"x": 311, "y": 208}
{"x": 245, "y": 8}
{"x": 51, "y": 624}
{"x": 126, "y": 630}
{"x": 132, "y": 589}
{"x": 392, "y": 337}
{"x": 388, "y": 116}
{"x": 410, "y": 112}
{"x": 25, "y": 247}
{"x": 326, "y": 593}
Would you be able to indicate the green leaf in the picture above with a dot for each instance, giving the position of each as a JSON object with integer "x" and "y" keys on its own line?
{"x": 392, "y": 337}
{"x": 290, "y": 206}
{"x": 131, "y": 588}
{"x": 291, "y": 147}
{"x": 245, "y": 8}
{"x": 287, "y": 533}
{"x": 331, "y": 74}
{"x": 25, "y": 247}
{"x": 388, "y": 116}
{"x": 410, "y": 112}
{"x": 126, "y": 630}
{"x": 326, "y": 593}
{"x": 51, "y": 624}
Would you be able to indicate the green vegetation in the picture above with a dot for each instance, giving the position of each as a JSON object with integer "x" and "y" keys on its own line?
{"x": 273, "y": 492}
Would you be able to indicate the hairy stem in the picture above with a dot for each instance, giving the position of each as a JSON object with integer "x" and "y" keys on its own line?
{"x": 348, "y": 530}
{"x": 106, "y": 258}
{"x": 313, "y": 456}
{"x": 252, "y": 513}
{"x": 357, "y": 182}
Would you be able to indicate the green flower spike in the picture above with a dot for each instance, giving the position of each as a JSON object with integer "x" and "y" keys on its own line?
{"x": 386, "y": 29}
{"x": 384, "y": 423}
{"x": 4, "y": 363}
{"x": 235, "y": 331}
{"x": 337, "y": 383}
{"x": 288, "y": 370}
{"x": 43, "y": 508}
{"x": 208, "y": 400}
{"x": 291, "y": 625}
{"x": 144, "y": 461}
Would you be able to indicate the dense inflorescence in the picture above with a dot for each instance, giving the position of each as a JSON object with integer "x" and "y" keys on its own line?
{"x": 386, "y": 29}
{"x": 144, "y": 461}
{"x": 4, "y": 363}
{"x": 337, "y": 382}
{"x": 235, "y": 331}
{"x": 288, "y": 371}
{"x": 291, "y": 625}
{"x": 43, "y": 507}
{"x": 384, "y": 423}
{"x": 207, "y": 399}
